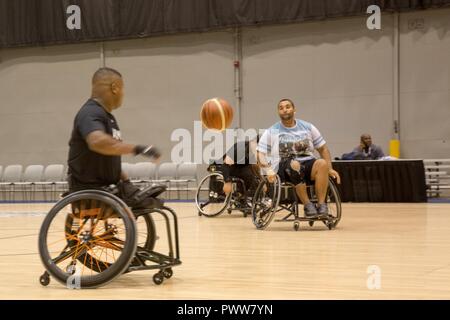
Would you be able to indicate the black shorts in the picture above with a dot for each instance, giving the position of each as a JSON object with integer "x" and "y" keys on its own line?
{"x": 285, "y": 168}
{"x": 245, "y": 173}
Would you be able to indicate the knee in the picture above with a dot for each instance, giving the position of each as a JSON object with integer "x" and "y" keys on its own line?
{"x": 322, "y": 165}
{"x": 295, "y": 165}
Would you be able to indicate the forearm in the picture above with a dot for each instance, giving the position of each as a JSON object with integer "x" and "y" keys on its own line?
{"x": 264, "y": 164}
{"x": 262, "y": 161}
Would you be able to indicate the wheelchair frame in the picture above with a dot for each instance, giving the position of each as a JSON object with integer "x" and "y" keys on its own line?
{"x": 231, "y": 202}
{"x": 292, "y": 206}
{"x": 135, "y": 257}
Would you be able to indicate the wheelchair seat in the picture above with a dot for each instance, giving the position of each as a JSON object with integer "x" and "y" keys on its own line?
{"x": 146, "y": 199}
{"x": 154, "y": 190}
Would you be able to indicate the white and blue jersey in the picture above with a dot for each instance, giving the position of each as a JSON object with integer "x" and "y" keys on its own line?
{"x": 297, "y": 142}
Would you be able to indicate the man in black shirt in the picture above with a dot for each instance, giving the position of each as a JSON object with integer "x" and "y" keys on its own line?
{"x": 96, "y": 145}
{"x": 240, "y": 162}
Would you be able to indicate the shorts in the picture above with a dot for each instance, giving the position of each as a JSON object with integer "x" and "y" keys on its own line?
{"x": 285, "y": 171}
{"x": 245, "y": 173}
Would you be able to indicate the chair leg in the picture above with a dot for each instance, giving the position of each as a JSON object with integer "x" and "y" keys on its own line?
{"x": 53, "y": 192}
{"x": 170, "y": 190}
{"x": 44, "y": 191}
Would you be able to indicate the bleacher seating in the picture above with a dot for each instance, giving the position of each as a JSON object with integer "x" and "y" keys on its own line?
{"x": 437, "y": 175}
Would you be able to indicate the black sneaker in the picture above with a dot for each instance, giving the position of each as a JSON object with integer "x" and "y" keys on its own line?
{"x": 310, "y": 210}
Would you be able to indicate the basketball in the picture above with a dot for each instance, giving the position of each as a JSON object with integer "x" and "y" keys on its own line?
{"x": 216, "y": 114}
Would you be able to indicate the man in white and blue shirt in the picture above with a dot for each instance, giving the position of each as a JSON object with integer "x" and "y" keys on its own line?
{"x": 287, "y": 149}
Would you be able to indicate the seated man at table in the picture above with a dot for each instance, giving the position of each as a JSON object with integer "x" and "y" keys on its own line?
{"x": 365, "y": 151}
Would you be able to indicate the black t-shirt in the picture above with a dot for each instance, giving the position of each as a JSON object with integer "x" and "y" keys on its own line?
{"x": 88, "y": 169}
{"x": 242, "y": 157}
{"x": 241, "y": 154}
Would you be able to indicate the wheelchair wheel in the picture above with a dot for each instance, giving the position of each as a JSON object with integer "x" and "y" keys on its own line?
{"x": 334, "y": 206}
{"x": 146, "y": 236}
{"x": 333, "y": 201}
{"x": 87, "y": 239}
{"x": 210, "y": 199}
{"x": 146, "y": 232}
{"x": 265, "y": 202}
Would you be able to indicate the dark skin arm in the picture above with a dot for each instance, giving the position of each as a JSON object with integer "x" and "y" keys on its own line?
{"x": 325, "y": 154}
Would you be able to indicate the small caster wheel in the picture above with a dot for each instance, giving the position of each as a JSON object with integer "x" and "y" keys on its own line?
{"x": 199, "y": 214}
{"x": 311, "y": 223}
{"x": 158, "y": 278}
{"x": 168, "y": 273}
{"x": 229, "y": 211}
{"x": 44, "y": 279}
{"x": 70, "y": 269}
{"x": 328, "y": 224}
{"x": 296, "y": 226}
{"x": 245, "y": 214}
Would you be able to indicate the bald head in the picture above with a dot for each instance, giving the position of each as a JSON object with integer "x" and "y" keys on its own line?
{"x": 366, "y": 139}
{"x": 107, "y": 87}
{"x": 105, "y": 75}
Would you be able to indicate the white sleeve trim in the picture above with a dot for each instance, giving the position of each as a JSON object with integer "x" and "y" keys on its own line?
{"x": 317, "y": 138}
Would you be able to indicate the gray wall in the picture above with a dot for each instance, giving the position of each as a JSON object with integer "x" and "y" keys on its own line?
{"x": 41, "y": 89}
{"x": 425, "y": 85}
{"x": 167, "y": 81}
{"x": 338, "y": 73}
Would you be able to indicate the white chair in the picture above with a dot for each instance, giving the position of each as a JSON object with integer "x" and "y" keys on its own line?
{"x": 143, "y": 173}
{"x": 167, "y": 173}
{"x": 30, "y": 179}
{"x": 126, "y": 168}
{"x": 186, "y": 174}
{"x": 53, "y": 179}
{"x": 11, "y": 176}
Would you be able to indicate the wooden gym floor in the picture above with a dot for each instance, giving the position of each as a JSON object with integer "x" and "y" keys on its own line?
{"x": 227, "y": 258}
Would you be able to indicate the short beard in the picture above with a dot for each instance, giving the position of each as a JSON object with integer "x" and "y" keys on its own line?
{"x": 287, "y": 117}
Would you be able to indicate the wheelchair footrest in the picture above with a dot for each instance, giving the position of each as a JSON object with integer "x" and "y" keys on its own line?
{"x": 161, "y": 260}
{"x": 307, "y": 219}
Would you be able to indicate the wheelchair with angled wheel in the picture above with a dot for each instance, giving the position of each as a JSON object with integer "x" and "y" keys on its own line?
{"x": 271, "y": 198}
{"x": 211, "y": 201}
{"x": 91, "y": 237}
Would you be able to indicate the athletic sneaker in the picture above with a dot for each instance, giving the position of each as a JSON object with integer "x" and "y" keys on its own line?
{"x": 322, "y": 209}
{"x": 267, "y": 203}
{"x": 310, "y": 210}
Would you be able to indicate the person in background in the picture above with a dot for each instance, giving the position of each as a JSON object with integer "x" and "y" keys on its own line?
{"x": 367, "y": 150}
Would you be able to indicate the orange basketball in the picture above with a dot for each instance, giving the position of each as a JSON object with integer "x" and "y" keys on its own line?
{"x": 216, "y": 114}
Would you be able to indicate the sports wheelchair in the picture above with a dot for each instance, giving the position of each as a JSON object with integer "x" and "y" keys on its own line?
{"x": 91, "y": 237}
{"x": 271, "y": 198}
{"x": 212, "y": 201}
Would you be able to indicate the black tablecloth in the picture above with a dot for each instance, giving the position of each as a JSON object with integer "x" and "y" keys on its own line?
{"x": 382, "y": 181}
